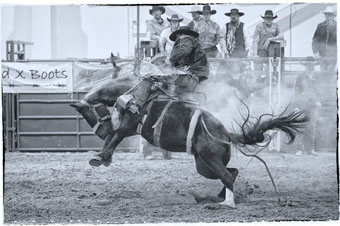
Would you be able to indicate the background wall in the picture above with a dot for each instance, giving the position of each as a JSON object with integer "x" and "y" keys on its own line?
{"x": 95, "y": 31}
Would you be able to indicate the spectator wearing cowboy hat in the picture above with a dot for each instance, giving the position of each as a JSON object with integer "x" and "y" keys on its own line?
{"x": 264, "y": 33}
{"x": 195, "y": 16}
{"x": 235, "y": 35}
{"x": 210, "y": 33}
{"x": 236, "y": 47}
{"x": 324, "y": 40}
{"x": 155, "y": 26}
{"x": 165, "y": 44}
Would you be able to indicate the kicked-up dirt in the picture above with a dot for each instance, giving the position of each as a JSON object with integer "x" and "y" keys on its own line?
{"x": 64, "y": 188}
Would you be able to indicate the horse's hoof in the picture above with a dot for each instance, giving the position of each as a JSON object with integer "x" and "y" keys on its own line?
{"x": 229, "y": 204}
{"x": 107, "y": 163}
{"x": 212, "y": 206}
{"x": 149, "y": 157}
{"x": 96, "y": 161}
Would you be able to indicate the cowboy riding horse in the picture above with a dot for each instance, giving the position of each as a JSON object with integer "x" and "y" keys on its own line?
{"x": 158, "y": 108}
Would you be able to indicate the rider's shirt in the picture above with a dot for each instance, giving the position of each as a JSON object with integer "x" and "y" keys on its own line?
{"x": 188, "y": 53}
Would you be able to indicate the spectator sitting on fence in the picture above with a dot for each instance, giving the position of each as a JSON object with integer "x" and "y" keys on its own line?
{"x": 165, "y": 44}
{"x": 324, "y": 40}
{"x": 306, "y": 98}
{"x": 196, "y": 17}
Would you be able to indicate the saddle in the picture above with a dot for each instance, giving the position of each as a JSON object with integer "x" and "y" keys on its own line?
{"x": 159, "y": 123}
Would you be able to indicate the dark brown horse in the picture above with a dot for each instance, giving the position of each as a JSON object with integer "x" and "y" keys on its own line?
{"x": 210, "y": 143}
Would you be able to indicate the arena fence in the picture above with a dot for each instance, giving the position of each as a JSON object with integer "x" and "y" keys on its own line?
{"x": 39, "y": 121}
{"x": 46, "y": 122}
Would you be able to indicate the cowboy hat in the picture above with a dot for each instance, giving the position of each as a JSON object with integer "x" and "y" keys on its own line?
{"x": 269, "y": 14}
{"x": 183, "y": 30}
{"x": 195, "y": 9}
{"x": 329, "y": 10}
{"x": 234, "y": 11}
{"x": 207, "y": 8}
{"x": 174, "y": 17}
{"x": 161, "y": 8}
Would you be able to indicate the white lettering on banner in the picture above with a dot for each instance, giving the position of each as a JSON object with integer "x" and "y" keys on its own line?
{"x": 37, "y": 77}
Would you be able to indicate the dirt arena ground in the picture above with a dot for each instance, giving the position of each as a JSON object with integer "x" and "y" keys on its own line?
{"x": 64, "y": 188}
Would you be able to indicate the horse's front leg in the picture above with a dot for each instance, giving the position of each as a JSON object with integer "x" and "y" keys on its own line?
{"x": 105, "y": 157}
{"x": 127, "y": 128}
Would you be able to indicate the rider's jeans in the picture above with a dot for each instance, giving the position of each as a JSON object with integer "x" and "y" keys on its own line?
{"x": 142, "y": 92}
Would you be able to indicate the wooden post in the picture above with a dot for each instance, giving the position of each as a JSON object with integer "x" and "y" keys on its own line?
{"x": 275, "y": 60}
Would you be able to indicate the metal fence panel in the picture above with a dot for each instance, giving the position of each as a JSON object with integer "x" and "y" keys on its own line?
{"x": 46, "y": 122}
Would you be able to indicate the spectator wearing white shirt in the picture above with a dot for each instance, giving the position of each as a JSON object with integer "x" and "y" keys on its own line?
{"x": 165, "y": 44}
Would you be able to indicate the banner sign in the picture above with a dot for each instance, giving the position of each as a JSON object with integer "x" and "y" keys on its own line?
{"x": 86, "y": 76}
{"x": 50, "y": 77}
{"x": 68, "y": 77}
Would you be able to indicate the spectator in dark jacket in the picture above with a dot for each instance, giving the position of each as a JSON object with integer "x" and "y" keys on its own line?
{"x": 235, "y": 35}
{"x": 324, "y": 40}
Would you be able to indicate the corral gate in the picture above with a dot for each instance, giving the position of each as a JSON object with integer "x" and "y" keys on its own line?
{"x": 46, "y": 122}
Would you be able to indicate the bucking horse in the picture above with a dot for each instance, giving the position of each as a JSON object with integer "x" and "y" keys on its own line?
{"x": 179, "y": 125}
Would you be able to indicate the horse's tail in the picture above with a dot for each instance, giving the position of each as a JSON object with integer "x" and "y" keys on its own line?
{"x": 254, "y": 132}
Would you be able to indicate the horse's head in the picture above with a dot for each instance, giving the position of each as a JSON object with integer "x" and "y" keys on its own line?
{"x": 97, "y": 116}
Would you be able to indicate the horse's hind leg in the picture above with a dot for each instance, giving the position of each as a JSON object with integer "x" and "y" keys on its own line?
{"x": 234, "y": 172}
{"x": 213, "y": 157}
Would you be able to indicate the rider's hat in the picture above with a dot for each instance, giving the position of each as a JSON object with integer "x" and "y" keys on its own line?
{"x": 183, "y": 30}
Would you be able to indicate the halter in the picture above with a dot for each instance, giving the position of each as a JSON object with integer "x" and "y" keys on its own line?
{"x": 93, "y": 109}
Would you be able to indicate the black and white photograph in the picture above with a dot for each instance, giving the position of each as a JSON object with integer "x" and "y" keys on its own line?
{"x": 169, "y": 113}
